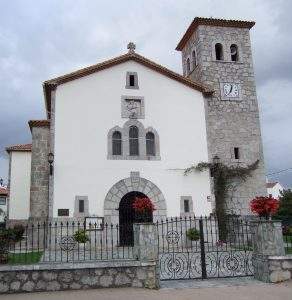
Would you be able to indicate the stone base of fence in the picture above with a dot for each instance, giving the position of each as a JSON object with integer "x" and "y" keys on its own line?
{"x": 75, "y": 276}
{"x": 272, "y": 268}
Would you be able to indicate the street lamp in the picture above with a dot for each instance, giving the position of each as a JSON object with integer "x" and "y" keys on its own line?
{"x": 50, "y": 161}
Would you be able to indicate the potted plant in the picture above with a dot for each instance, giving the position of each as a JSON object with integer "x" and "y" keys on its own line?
{"x": 193, "y": 234}
{"x": 81, "y": 237}
{"x": 264, "y": 206}
{"x": 143, "y": 208}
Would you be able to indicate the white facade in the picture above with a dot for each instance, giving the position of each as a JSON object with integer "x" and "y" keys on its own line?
{"x": 274, "y": 189}
{"x": 3, "y": 203}
{"x": 88, "y": 107}
{"x": 19, "y": 186}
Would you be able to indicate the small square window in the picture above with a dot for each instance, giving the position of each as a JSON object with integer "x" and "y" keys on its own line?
{"x": 63, "y": 212}
{"x": 81, "y": 206}
{"x": 186, "y": 206}
{"x": 132, "y": 80}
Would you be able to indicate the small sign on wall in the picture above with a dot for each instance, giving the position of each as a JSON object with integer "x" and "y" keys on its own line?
{"x": 94, "y": 223}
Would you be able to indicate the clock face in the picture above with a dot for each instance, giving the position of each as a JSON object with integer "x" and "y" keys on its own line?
{"x": 231, "y": 90}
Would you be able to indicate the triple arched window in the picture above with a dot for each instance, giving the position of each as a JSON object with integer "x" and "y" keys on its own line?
{"x": 133, "y": 141}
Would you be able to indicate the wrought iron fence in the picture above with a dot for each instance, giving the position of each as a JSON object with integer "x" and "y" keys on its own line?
{"x": 191, "y": 248}
{"x": 287, "y": 233}
{"x": 63, "y": 242}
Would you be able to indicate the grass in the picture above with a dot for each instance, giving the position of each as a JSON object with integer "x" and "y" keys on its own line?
{"x": 24, "y": 258}
{"x": 288, "y": 250}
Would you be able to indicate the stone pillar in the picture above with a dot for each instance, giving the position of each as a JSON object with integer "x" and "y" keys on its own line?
{"x": 267, "y": 241}
{"x": 39, "y": 188}
{"x": 145, "y": 242}
{"x": 146, "y": 250}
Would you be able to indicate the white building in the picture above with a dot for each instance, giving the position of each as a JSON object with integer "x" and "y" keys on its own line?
{"x": 3, "y": 202}
{"x": 19, "y": 182}
{"x": 274, "y": 189}
{"x": 129, "y": 127}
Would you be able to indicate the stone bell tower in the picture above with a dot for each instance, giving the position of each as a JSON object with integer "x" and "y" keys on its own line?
{"x": 218, "y": 53}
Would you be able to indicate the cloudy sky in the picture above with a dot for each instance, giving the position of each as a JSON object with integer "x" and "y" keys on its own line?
{"x": 42, "y": 39}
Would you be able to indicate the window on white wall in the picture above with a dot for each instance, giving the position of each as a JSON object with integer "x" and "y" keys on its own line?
{"x": 81, "y": 206}
{"x": 2, "y": 200}
{"x": 186, "y": 206}
{"x": 150, "y": 143}
{"x": 134, "y": 140}
{"x": 117, "y": 143}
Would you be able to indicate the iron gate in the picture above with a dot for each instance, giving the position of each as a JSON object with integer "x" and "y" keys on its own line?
{"x": 191, "y": 248}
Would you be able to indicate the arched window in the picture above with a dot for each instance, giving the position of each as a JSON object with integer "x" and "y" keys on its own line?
{"x": 194, "y": 59}
{"x": 234, "y": 52}
{"x": 134, "y": 140}
{"x": 188, "y": 66}
{"x": 117, "y": 143}
{"x": 150, "y": 143}
{"x": 219, "y": 51}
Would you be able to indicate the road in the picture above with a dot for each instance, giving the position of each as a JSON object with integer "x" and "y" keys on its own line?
{"x": 254, "y": 291}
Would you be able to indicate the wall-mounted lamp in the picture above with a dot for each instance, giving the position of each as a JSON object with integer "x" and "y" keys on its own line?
{"x": 216, "y": 159}
{"x": 50, "y": 161}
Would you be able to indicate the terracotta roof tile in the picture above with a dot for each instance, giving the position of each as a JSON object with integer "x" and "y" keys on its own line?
{"x": 20, "y": 147}
{"x": 211, "y": 22}
{"x": 53, "y": 83}
{"x": 38, "y": 123}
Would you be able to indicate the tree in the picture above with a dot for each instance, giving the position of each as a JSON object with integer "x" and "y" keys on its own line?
{"x": 285, "y": 209}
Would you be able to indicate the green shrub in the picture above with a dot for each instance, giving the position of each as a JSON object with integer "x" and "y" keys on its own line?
{"x": 8, "y": 237}
{"x": 80, "y": 236}
{"x": 193, "y": 234}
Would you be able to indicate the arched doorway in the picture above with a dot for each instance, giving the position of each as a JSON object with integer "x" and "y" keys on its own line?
{"x": 127, "y": 217}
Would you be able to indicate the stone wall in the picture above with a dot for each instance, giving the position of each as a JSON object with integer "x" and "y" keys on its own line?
{"x": 273, "y": 268}
{"x": 230, "y": 123}
{"x": 39, "y": 192}
{"x": 16, "y": 279}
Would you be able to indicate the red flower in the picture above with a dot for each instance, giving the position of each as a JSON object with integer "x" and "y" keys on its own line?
{"x": 264, "y": 206}
{"x": 141, "y": 205}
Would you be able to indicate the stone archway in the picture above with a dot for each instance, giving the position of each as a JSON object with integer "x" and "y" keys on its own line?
{"x": 131, "y": 184}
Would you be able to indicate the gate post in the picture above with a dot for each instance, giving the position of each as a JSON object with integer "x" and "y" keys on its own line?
{"x": 146, "y": 249}
{"x": 202, "y": 244}
{"x": 267, "y": 241}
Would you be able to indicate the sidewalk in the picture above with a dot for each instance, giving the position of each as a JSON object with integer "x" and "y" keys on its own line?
{"x": 247, "y": 291}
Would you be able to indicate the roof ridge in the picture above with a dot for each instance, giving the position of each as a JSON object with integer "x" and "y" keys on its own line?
{"x": 19, "y": 147}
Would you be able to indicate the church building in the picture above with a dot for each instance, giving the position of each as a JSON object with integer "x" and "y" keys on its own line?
{"x": 129, "y": 127}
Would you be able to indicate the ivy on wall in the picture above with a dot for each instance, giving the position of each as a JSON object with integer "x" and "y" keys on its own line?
{"x": 223, "y": 178}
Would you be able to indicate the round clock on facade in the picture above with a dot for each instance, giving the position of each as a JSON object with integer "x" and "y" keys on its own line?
{"x": 231, "y": 90}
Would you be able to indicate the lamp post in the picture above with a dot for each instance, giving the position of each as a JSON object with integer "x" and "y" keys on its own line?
{"x": 50, "y": 161}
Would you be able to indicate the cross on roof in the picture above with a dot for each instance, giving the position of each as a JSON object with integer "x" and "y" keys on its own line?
{"x": 131, "y": 46}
